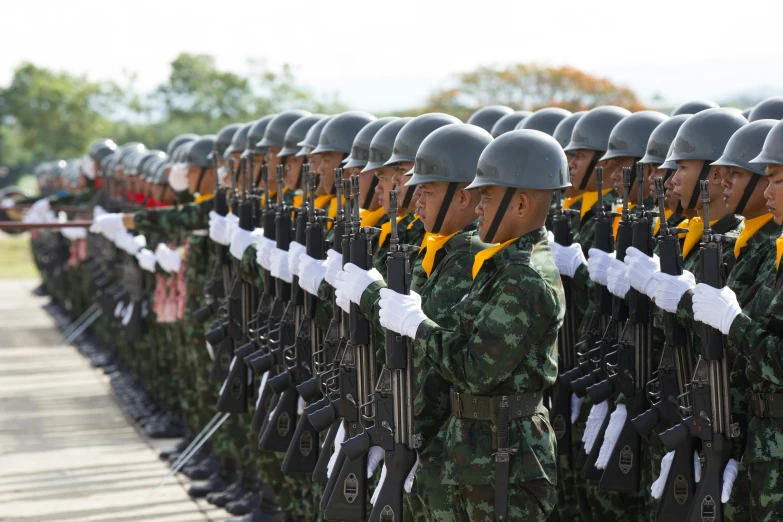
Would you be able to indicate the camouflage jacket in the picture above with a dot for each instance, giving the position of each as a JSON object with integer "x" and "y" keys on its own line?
{"x": 505, "y": 343}
{"x": 192, "y": 216}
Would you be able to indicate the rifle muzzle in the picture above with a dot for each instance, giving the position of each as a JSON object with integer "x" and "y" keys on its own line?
{"x": 323, "y": 418}
{"x": 647, "y": 421}
{"x": 356, "y": 446}
{"x": 310, "y": 389}
{"x": 675, "y": 436}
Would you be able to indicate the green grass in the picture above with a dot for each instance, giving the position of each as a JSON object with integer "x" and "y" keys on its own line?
{"x": 16, "y": 261}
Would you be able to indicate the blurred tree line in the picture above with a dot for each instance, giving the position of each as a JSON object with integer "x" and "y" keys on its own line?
{"x": 47, "y": 114}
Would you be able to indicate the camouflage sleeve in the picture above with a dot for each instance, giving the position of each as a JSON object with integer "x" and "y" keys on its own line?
{"x": 249, "y": 269}
{"x": 761, "y": 346}
{"x": 193, "y": 216}
{"x": 583, "y": 287}
{"x": 324, "y": 311}
{"x": 506, "y": 332}
{"x": 739, "y": 405}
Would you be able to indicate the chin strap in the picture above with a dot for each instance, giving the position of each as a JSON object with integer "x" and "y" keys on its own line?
{"x": 669, "y": 173}
{"x": 747, "y": 193}
{"x": 370, "y": 193}
{"x": 590, "y": 168}
{"x": 200, "y": 179}
{"x": 705, "y": 170}
{"x": 444, "y": 207}
{"x": 493, "y": 227}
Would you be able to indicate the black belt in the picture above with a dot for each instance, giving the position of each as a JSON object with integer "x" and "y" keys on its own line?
{"x": 767, "y": 405}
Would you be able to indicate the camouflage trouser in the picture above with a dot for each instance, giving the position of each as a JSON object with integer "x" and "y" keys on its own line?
{"x": 527, "y": 502}
{"x": 766, "y": 490}
{"x": 431, "y": 501}
{"x": 572, "y": 496}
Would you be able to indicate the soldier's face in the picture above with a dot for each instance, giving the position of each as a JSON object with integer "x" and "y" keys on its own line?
{"x": 774, "y": 192}
{"x": 385, "y": 185}
{"x": 685, "y": 179}
{"x": 734, "y": 185}
{"x": 615, "y": 169}
{"x": 272, "y": 161}
{"x": 488, "y": 208}
{"x": 325, "y": 170}
{"x": 578, "y": 169}
{"x": 293, "y": 168}
{"x": 399, "y": 179}
{"x": 430, "y": 200}
{"x": 365, "y": 182}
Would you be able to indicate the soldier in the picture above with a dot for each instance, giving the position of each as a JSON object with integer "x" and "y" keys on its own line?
{"x": 503, "y": 353}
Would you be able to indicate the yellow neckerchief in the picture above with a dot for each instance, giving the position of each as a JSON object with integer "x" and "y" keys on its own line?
{"x": 434, "y": 242}
{"x": 205, "y": 197}
{"x": 386, "y": 230}
{"x": 370, "y": 218}
{"x": 332, "y": 212}
{"x": 298, "y": 201}
{"x": 415, "y": 219}
{"x": 695, "y": 231}
{"x": 779, "y": 249}
{"x": 751, "y": 227}
{"x": 321, "y": 201}
{"x": 589, "y": 200}
{"x": 569, "y": 202}
{"x": 666, "y": 215}
{"x": 272, "y": 197}
{"x": 616, "y": 223}
{"x": 482, "y": 256}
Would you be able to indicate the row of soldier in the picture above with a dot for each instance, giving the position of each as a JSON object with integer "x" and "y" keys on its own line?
{"x": 619, "y": 364}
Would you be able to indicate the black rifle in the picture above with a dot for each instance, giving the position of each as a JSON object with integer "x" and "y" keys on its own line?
{"x": 669, "y": 383}
{"x": 710, "y": 419}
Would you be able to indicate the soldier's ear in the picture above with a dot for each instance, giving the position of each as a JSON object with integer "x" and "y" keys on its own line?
{"x": 523, "y": 203}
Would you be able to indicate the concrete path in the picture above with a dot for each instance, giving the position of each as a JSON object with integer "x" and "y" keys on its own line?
{"x": 68, "y": 452}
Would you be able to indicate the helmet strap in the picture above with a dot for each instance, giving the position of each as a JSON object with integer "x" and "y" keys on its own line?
{"x": 705, "y": 170}
{"x": 200, "y": 179}
{"x": 444, "y": 207}
{"x": 590, "y": 168}
{"x": 370, "y": 193}
{"x": 749, "y": 188}
{"x": 669, "y": 174}
{"x": 406, "y": 201}
{"x": 493, "y": 227}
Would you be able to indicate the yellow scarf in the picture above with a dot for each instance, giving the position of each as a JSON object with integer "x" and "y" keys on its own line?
{"x": 666, "y": 215}
{"x": 779, "y": 249}
{"x": 434, "y": 242}
{"x": 415, "y": 219}
{"x": 205, "y": 197}
{"x": 369, "y": 219}
{"x": 589, "y": 200}
{"x": 695, "y": 231}
{"x": 386, "y": 230}
{"x": 332, "y": 212}
{"x": 321, "y": 201}
{"x": 298, "y": 201}
{"x": 482, "y": 256}
{"x": 616, "y": 223}
{"x": 751, "y": 227}
{"x": 569, "y": 202}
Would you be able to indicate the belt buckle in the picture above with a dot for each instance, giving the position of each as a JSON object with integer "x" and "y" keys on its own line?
{"x": 458, "y": 399}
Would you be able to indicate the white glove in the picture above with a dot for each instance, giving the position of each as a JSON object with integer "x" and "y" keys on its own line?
{"x": 401, "y": 313}
{"x": 598, "y": 265}
{"x": 612, "y": 433}
{"x": 408, "y": 486}
{"x": 567, "y": 259}
{"x": 41, "y": 206}
{"x": 338, "y": 440}
{"x": 217, "y": 228}
{"x": 107, "y": 224}
{"x": 595, "y": 420}
{"x": 279, "y": 266}
{"x": 353, "y": 281}
{"x": 334, "y": 265}
{"x": 264, "y": 249}
{"x": 240, "y": 240}
{"x": 669, "y": 289}
{"x": 729, "y": 476}
{"x": 127, "y": 314}
{"x": 146, "y": 259}
{"x": 717, "y": 307}
{"x": 295, "y": 250}
{"x": 696, "y": 466}
{"x": 615, "y": 278}
{"x": 641, "y": 271}
{"x": 7, "y": 203}
{"x": 121, "y": 239}
{"x": 232, "y": 222}
{"x": 98, "y": 211}
{"x": 656, "y": 490}
{"x": 378, "y": 488}
{"x": 311, "y": 273}
{"x": 168, "y": 259}
{"x": 342, "y": 300}
{"x": 374, "y": 457}
{"x": 576, "y": 407}
{"x": 130, "y": 243}
{"x": 74, "y": 232}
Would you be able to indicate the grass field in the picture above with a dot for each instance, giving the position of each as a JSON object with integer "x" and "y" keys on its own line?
{"x": 16, "y": 261}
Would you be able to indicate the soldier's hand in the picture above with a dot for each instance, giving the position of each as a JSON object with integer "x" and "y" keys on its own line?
{"x": 353, "y": 281}
{"x": 641, "y": 270}
{"x": 669, "y": 289}
{"x": 401, "y": 313}
{"x": 598, "y": 265}
{"x": 617, "y": 283}
{"x": 567, "y": 259}
{"x": 717, "y": 307}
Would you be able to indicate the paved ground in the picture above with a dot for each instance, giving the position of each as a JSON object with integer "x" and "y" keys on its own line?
{"x": 68, "y": 452}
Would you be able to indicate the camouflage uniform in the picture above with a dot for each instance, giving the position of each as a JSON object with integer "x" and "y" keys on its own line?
{"x": 506, "y": 343}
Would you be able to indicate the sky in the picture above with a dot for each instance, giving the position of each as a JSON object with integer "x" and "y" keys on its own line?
{"x": 387, "y": 55}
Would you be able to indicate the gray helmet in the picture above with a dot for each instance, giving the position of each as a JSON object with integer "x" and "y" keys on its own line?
{"x": 198, "y": 153}
{"x": 256, "y": 134}
{"x": 125, "y": 151}
{"x": 508, "y": 122}
{"x": 661, "y": 140}
{"x": 545, "y": 120}
{"x": 413, "y": 133}
{"x": 223, "y": 140}
{"x": 565, "y": 128}
{"x": 296, "y": 133}
{"x": 704, "y": 135}
{"x": 486, "y": 117}
{"x": 449, "y": 154}
{"x": 179, "y": 140}
{"x": 746, "y": 112}
{"x": 769, "y": 109}
{"x": 313, "y": 135}
{"x": 360, "y": 151}
{"x": 382, "y": 144}
{"x": 772, "y": 152}
{"x": 669, "y": 164}
{"x": 274, "y": 135}
{"x": 99, "y": 149}
{"x": 693, "y": 107}
{"x": 339, "y": 133}
{"x": 744, "y": 145}
{"x": 592, "y": 130}
{"x": 630, "y": 136}
{"x": 239, "y": 140}
{"x": 151, "y": 167}
{"x": 142, "y": 160}
{"x": 523, "y": 159}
